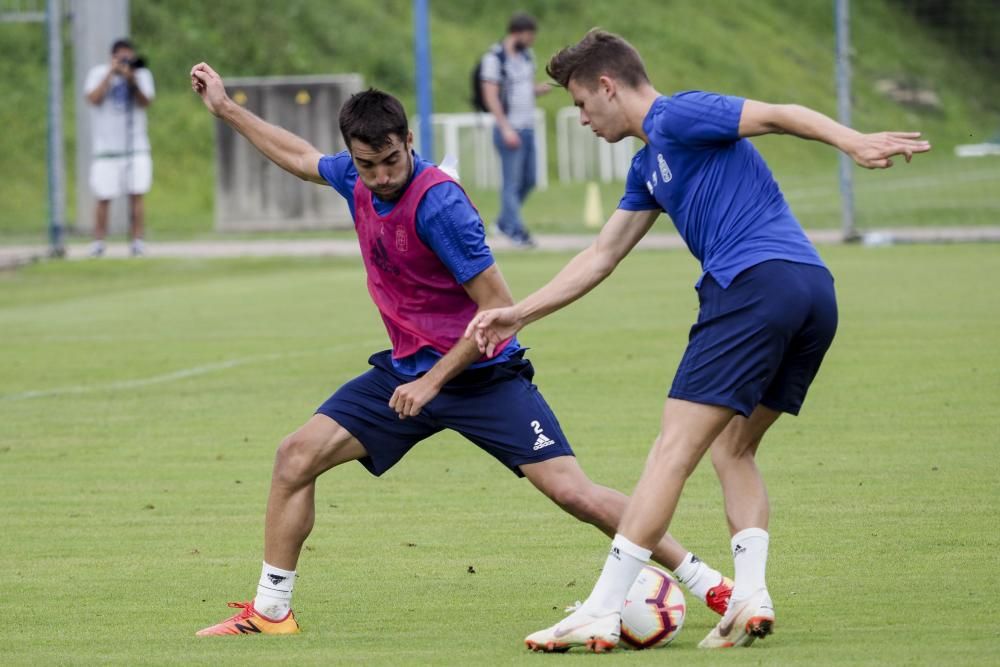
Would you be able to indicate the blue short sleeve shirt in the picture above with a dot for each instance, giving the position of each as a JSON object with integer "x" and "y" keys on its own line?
{"x": 447, "y": 223}
{"x": 717, "y": 189}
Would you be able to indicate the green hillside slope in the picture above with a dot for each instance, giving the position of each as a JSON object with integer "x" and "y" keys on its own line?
{"x": 776, "y": 50}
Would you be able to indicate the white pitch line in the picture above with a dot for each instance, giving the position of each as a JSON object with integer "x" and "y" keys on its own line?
{"x": 181, "y": 374}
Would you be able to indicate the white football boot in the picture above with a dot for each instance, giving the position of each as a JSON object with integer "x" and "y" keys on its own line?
{"x": 598, "y": 634}
{"x": 745, "y": 620}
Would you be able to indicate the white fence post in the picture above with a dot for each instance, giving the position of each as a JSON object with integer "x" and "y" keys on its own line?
{"x": 541, "y": 152}
{"x": 584, "y": 157}
{"x": 469, "y": 138}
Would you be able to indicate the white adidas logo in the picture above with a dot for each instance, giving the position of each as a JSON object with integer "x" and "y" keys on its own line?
{"x": 542, "y": 440}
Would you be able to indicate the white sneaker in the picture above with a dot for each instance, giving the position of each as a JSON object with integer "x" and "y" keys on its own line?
{"x": 138, "y": 248}
{"x": 745, "y": 620}
{"x": 596, "y": 633}
{"x": 96, "y": 249}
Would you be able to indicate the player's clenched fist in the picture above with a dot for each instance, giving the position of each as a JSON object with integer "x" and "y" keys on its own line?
{"x": 208, "y": 84}
{"x": 409, "y": 399}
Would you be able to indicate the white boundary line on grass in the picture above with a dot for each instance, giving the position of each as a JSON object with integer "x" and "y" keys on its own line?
{"x": 181, "y": 374}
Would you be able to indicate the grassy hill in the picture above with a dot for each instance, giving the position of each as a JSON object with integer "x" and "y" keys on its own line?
{"x": 777, "y": 50}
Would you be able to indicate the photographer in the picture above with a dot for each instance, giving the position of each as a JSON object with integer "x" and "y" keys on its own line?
{"x": 119, "y": 93}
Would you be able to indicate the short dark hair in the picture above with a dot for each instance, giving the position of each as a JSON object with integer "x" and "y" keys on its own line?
{"x": 522, "y": 22}
{"x": 122, "y": 43}
{"x": 599, "y": 53}
{"x": 373, "y": 116}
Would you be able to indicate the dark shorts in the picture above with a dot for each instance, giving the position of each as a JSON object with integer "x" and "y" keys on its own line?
{"x": 761, "y": 341}
{"x": 495, "y": 407}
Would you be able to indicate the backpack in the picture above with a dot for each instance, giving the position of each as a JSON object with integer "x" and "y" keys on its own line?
{"x": 478, "y": 103}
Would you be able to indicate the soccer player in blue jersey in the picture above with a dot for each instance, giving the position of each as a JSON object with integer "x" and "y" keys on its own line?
{"x": 429, "y": 271}
{"x": 767, "y": 315}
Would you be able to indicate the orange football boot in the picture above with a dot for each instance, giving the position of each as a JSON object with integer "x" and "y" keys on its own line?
{"x": 717, "y": 598}
{"x": 249, "y": 622}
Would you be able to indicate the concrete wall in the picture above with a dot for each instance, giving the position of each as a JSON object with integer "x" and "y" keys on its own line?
{"x": 95, "y": 26}
{"x": 252, "y": 193}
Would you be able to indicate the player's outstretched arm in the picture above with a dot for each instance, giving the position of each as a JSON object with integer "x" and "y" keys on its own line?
{"x": 290, "y": 152}
{"x": 584, "y": 272}
{"x": 872, "y": 151}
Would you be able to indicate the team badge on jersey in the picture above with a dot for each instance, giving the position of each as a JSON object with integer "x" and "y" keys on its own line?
{"x": 402, "y": 242}
{"x": 664, "y": 169}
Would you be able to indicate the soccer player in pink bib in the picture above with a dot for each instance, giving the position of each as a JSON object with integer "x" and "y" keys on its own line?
{"x": 429, "y": 272}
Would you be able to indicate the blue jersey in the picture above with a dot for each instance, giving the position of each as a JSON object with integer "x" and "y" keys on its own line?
{"x": 715, "y": 186}
{"x": 446, "y": 222}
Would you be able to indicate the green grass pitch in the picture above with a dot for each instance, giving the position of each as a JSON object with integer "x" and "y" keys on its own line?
{"x": 140, "y": 404}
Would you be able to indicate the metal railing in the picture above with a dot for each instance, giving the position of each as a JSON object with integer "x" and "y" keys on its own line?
{"x": 584, "y": 157}
{"x": 468, "y": 137}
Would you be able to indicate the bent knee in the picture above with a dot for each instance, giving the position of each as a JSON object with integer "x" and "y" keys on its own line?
{"x": 297, "y": 460}
{"x": 674, "y": 459}
{"x": 726, "y": 455}
{"x": 576, "y": 501}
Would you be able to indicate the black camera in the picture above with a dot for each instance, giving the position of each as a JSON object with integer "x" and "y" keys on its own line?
{"x": 134, "y": 63}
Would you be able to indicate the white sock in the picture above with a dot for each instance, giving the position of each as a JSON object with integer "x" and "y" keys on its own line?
{"x": 624, "y": 563}
{"x": 749, "y": 561}
{"x": 274, "y": 592}
{"x": 697, "y": 576}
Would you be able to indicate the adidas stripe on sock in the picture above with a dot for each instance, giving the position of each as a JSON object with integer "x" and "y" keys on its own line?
{"x": 625, "y": 560}
{"x": 697, "y": 576}
{"x": 749, "y": 561}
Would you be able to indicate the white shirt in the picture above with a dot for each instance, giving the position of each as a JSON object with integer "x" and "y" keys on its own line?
{"x": 111, "y": 119}
{"x": 517, "y": 87}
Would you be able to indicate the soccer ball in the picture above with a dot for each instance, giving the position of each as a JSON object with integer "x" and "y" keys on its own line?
{"x": 654, "y": 610}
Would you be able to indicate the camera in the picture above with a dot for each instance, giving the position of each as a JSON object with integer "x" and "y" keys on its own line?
{"x": 134, "y": 63}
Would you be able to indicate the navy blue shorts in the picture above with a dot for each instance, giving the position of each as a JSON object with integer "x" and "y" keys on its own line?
{"x": 761, "y": 341}
{"x": 496, "y": 407}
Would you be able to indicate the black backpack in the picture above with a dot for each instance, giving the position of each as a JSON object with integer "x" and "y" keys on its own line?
{"x": 478, "y": 103}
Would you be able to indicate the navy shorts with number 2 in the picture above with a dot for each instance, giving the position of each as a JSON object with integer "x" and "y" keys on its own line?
{"x": 496, "y": 407}
{"x": 761, "y": 340}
